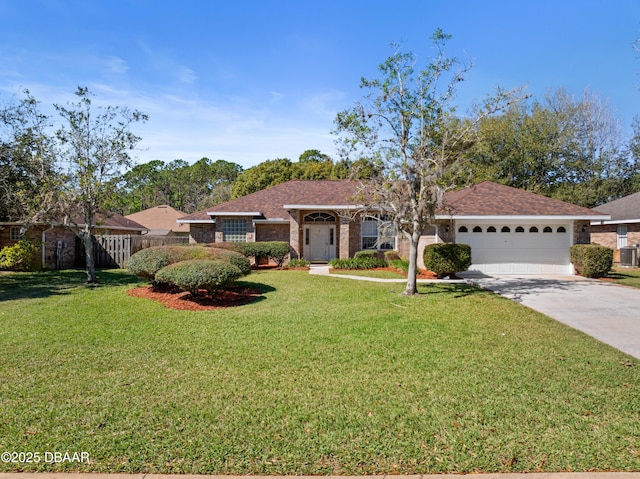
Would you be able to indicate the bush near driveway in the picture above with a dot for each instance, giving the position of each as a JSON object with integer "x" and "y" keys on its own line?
{"x": 446, "y": 259}
{"x": 590, "y": 260}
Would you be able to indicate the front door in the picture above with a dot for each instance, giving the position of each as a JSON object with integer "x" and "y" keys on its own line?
{"x": 321, "y": 242}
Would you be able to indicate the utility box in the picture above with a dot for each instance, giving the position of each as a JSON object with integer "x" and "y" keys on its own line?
{"x": 629, "y": 256}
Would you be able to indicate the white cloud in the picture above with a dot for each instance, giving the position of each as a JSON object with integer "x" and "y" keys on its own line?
{"x": 116, "y": 65}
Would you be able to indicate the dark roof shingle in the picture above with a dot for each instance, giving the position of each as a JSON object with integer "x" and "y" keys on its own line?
{"x": 484, "y": 199}
{"x": 626, "y": 208}
{"x": 491, "y": 199}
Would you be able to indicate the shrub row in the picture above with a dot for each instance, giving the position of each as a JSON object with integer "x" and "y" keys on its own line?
{"x": 147, "y": 262}
{"x": 274, "y": 250}
{"x": 190, "y": 268}
{"x": 592, "y": 261}
{"x": 446, "y": 259}
{"x": 193, "y": 275}
{"x": 360, "y": 262}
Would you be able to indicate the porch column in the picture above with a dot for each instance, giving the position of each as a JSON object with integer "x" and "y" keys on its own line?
{"x": 345, "y": 234}
{"x": 294, "y": 234}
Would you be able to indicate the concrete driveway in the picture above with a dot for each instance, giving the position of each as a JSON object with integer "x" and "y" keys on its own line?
{"x": 605, "y": 311}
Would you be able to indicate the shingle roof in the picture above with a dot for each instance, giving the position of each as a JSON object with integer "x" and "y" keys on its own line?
{"x": 162, "y": 217}
{"x": 492, "y": 199}
{"x": 484, "y": 199}
{"x": 116, "y": 221}
{"x": 626, "y": 208}
{"x": 270, "y": 202}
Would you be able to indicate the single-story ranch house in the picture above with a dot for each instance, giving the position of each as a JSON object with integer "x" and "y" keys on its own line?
{"x": 623, "y": 228}
{"x": 509, "y": 230}
{"x": 60, "y": 247}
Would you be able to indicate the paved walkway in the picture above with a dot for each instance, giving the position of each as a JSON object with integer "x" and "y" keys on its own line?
{"x": 324, "y": 269}
{"x": 605, "y": 311}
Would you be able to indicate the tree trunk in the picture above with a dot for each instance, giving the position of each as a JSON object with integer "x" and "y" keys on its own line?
{"x": 412, "y": 285}
{"x": 89, "y": 257}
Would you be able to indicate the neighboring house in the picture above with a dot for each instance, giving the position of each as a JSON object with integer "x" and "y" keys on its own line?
{"x": 161, "y": 221}
{"x": 509, "y": 230}
{"x": 623, "y": 228}
{"x": 59, "y": 246}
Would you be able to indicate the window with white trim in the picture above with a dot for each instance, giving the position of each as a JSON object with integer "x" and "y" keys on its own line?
{"x": 234, "y": 230}
{"x": 14, "y": 233}
{"x": 377, "y": 232}
{"x": 622, "y": 236}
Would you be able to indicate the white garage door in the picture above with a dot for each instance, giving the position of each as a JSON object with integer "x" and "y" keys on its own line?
{"x": 517, "y": 248}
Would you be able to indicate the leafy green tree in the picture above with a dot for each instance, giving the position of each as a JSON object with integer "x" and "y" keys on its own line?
{"x": 178, "y": 184}
{"x": 94, "y": 148}
{"x": 28, "y": 174}
{"x": 567, "y": 148}
{"x": 266, "y": 174}
{"x": 408, "y": 125}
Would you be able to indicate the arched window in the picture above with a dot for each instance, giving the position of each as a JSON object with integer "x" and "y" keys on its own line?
{"x": 463, "y": 229}
{"x": 533, "y": 229}
{"x": 477, "y": 229}
{"x": 505, "y": 229}
{"x": 519, "y": 229}
{"x": 547, "y": 229}
{"x": 561, "y": 229}
{"x": 319, "y": 217}
{"x": 491, "y": 229}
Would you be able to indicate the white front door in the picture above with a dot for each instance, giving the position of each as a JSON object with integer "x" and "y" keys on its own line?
{"x": 321, "y": 242}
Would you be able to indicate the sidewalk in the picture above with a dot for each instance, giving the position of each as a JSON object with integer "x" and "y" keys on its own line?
{"x": 324, "y": 270}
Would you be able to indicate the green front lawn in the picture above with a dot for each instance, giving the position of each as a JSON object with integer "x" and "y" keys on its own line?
{"x": 625, "y": 276}
{"x": 321, "y": 375}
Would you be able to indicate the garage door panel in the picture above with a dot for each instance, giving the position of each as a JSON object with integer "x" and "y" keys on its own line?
{"x": 518, "y": 253}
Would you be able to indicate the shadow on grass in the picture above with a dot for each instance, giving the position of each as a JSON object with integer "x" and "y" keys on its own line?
{"x": 457, "y": 290}
{"x": 263, "y": 288}
{"x": 41, "y": 284}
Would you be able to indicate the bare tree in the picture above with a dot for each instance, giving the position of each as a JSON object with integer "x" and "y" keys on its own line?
{"x": 407, "y": 124}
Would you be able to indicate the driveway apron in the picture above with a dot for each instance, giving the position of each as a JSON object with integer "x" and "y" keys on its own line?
{"x": 605, "y": 311}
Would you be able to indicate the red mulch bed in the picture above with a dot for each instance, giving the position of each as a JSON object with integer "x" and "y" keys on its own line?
{"x": 170, "y": 298}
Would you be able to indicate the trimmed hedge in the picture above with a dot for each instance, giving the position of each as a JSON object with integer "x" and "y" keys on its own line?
{"x": 446, "y": 259}
{"x": 362, "y": 262}
{"x": 147, "y": 262}
{"x": 275, "y": 250}
{"x": 366, "y": 253}
{"x": 590, "y": 260}
{"x": 194, "y": 275}
{"x": 391, "y": 256}
{"x": 18, "y": 257}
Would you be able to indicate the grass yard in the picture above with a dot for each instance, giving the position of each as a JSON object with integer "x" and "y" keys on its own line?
{"x": 370, "y": 273}
{"x": 625, "y": 276}
{"x": 320, "y": 376}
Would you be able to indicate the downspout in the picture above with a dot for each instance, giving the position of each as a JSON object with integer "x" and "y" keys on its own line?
{"x": 44, "y": 238}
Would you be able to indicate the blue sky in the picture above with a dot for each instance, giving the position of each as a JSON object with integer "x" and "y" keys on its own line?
{"x": 246, "y": 81}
